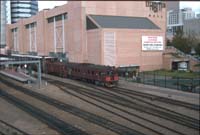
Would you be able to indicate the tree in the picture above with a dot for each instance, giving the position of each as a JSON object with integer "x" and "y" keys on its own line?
{"x": 197, "y": 49}
{"x": 169, "y": 42}
{"x": 180, "y": 42}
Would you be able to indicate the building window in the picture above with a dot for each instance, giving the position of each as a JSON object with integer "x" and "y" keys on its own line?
{"x": 50, "y": 20}
{"x": 57, "y": 18}
{"x": 14, "y": 30}
{"x": 31, "y": 25}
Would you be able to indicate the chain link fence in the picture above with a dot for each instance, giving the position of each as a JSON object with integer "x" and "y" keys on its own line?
{"x": 173, "y": 82}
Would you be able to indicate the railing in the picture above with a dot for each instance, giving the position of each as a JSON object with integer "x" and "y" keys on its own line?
{"x": 188, "y": 84}
{"x": 182, "y": 53}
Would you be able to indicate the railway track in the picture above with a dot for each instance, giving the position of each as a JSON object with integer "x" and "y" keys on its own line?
{"x": 175, "y": 117}
{"x": 146, "y": 95}
{"x": 12, "y": 127}
{"x": 132, "y": 92}
{"x": 115, "y": 127}
{"x": 146, "y": 98}
{"x": 158, "y": 98}
{"x": 59, "y": 84}
{"x": 50, "y": 120}
{"x": 1, "y": 133}
{"x": 86, "y": 117}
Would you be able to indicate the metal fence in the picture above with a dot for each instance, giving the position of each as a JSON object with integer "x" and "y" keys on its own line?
{"x": 174, "y": 82}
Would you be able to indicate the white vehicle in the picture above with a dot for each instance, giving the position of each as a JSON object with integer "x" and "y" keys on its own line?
{"x": 183, "y": 66}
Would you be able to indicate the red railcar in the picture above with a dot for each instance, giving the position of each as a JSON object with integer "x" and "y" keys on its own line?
{"x": 98, "y": 74}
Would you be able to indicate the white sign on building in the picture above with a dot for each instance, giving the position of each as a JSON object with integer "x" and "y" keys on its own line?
{"x": 152, "y": 43}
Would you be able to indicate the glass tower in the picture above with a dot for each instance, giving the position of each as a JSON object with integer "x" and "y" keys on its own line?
{"x": 3, "y": 24}
{"x": 23, "y": 9}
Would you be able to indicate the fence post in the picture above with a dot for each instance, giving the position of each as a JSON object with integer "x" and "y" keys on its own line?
{"x": 154, "y": 78}
{"x": 165, "y": 80}
{"x": 177, "y": 83}
{"x": 192, "y": 85}
{"x": 143, "y": 77}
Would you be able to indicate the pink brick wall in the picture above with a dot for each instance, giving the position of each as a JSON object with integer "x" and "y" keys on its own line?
{"x": 129, "y": 49}
{"x": 87, "y": 46}
{"x": 94, "y": 46}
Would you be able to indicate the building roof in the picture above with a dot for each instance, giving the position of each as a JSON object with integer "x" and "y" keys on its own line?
{"x": 123, "y": 22}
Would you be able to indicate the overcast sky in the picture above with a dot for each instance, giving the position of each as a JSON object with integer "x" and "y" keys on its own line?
{"x": 51, "y": 4}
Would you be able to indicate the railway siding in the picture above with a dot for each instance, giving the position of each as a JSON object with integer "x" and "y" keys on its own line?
{"x": 162, "y": 92}
{"x": 115, "y": 127}
{"x": 7, "y": 129}
{"x": 46, "y": 109}
{"x": 128, "y": 111}
{"x": 90, "y": 100}
{"x": 51, "y": 120}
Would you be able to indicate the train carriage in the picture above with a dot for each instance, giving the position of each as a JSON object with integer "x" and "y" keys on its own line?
{"x": 98, "y": 74}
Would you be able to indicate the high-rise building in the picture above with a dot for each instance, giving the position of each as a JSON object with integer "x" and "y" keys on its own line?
{"x": 188, "y": 13}
{"x": 23, "y": 9}
{"x": 172, "y": 5}
{"x": 12, "y": 11}
{"x": 198, "y": 15}
{"x": 192, "y": 27}
{"x": 176, "y": 19}
{"x": 3, "y": 24}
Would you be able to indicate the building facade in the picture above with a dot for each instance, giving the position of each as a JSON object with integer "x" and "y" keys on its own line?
{"x": 4, "y": 20}
{"x": 23, "y": 9}
{"x": 172, "y": 5}
{"x": 192, "y": 27}
{"x": 188, "y": 13}
{"x": 176, "y": 19}
{"x": 117, "y": 33}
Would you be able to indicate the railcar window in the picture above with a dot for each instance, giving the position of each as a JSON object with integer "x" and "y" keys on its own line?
{"x": 110, "y": 73}
{"x": 102, "y": 74}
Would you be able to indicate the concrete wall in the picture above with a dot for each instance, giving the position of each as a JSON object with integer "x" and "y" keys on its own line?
{"x": 192, "y": 65}
{"x": 167, "y": 61}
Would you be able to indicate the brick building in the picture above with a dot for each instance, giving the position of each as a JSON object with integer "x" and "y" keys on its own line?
{"x": 119, "y": 33}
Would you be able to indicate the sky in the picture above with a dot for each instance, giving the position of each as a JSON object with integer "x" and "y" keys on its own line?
{"x": 51, "y": 4}
{"x": 193, "y": 4}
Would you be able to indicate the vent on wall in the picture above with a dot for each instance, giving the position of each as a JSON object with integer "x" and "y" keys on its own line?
{"x": 109, "y": 48}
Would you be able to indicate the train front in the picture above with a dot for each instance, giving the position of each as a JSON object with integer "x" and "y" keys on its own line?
{"x": 112, "y": 78}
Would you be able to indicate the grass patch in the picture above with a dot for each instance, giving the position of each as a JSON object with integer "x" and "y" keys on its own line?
{"x": 182, "y": 74}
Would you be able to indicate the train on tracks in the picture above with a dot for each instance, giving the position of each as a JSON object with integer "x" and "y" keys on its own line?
{"x": 96, "y": 74}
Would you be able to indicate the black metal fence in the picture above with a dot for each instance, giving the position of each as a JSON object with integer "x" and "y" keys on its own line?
{"x": 174, "y": 82}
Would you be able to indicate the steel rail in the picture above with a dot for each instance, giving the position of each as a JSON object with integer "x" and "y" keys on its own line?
{"x": 108, "y": 124}
{"x": 50, "y": 120}
{"x": 193, "y": 123}
{"x": 92, "y": 97}
{"x": 11, "y": 126}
